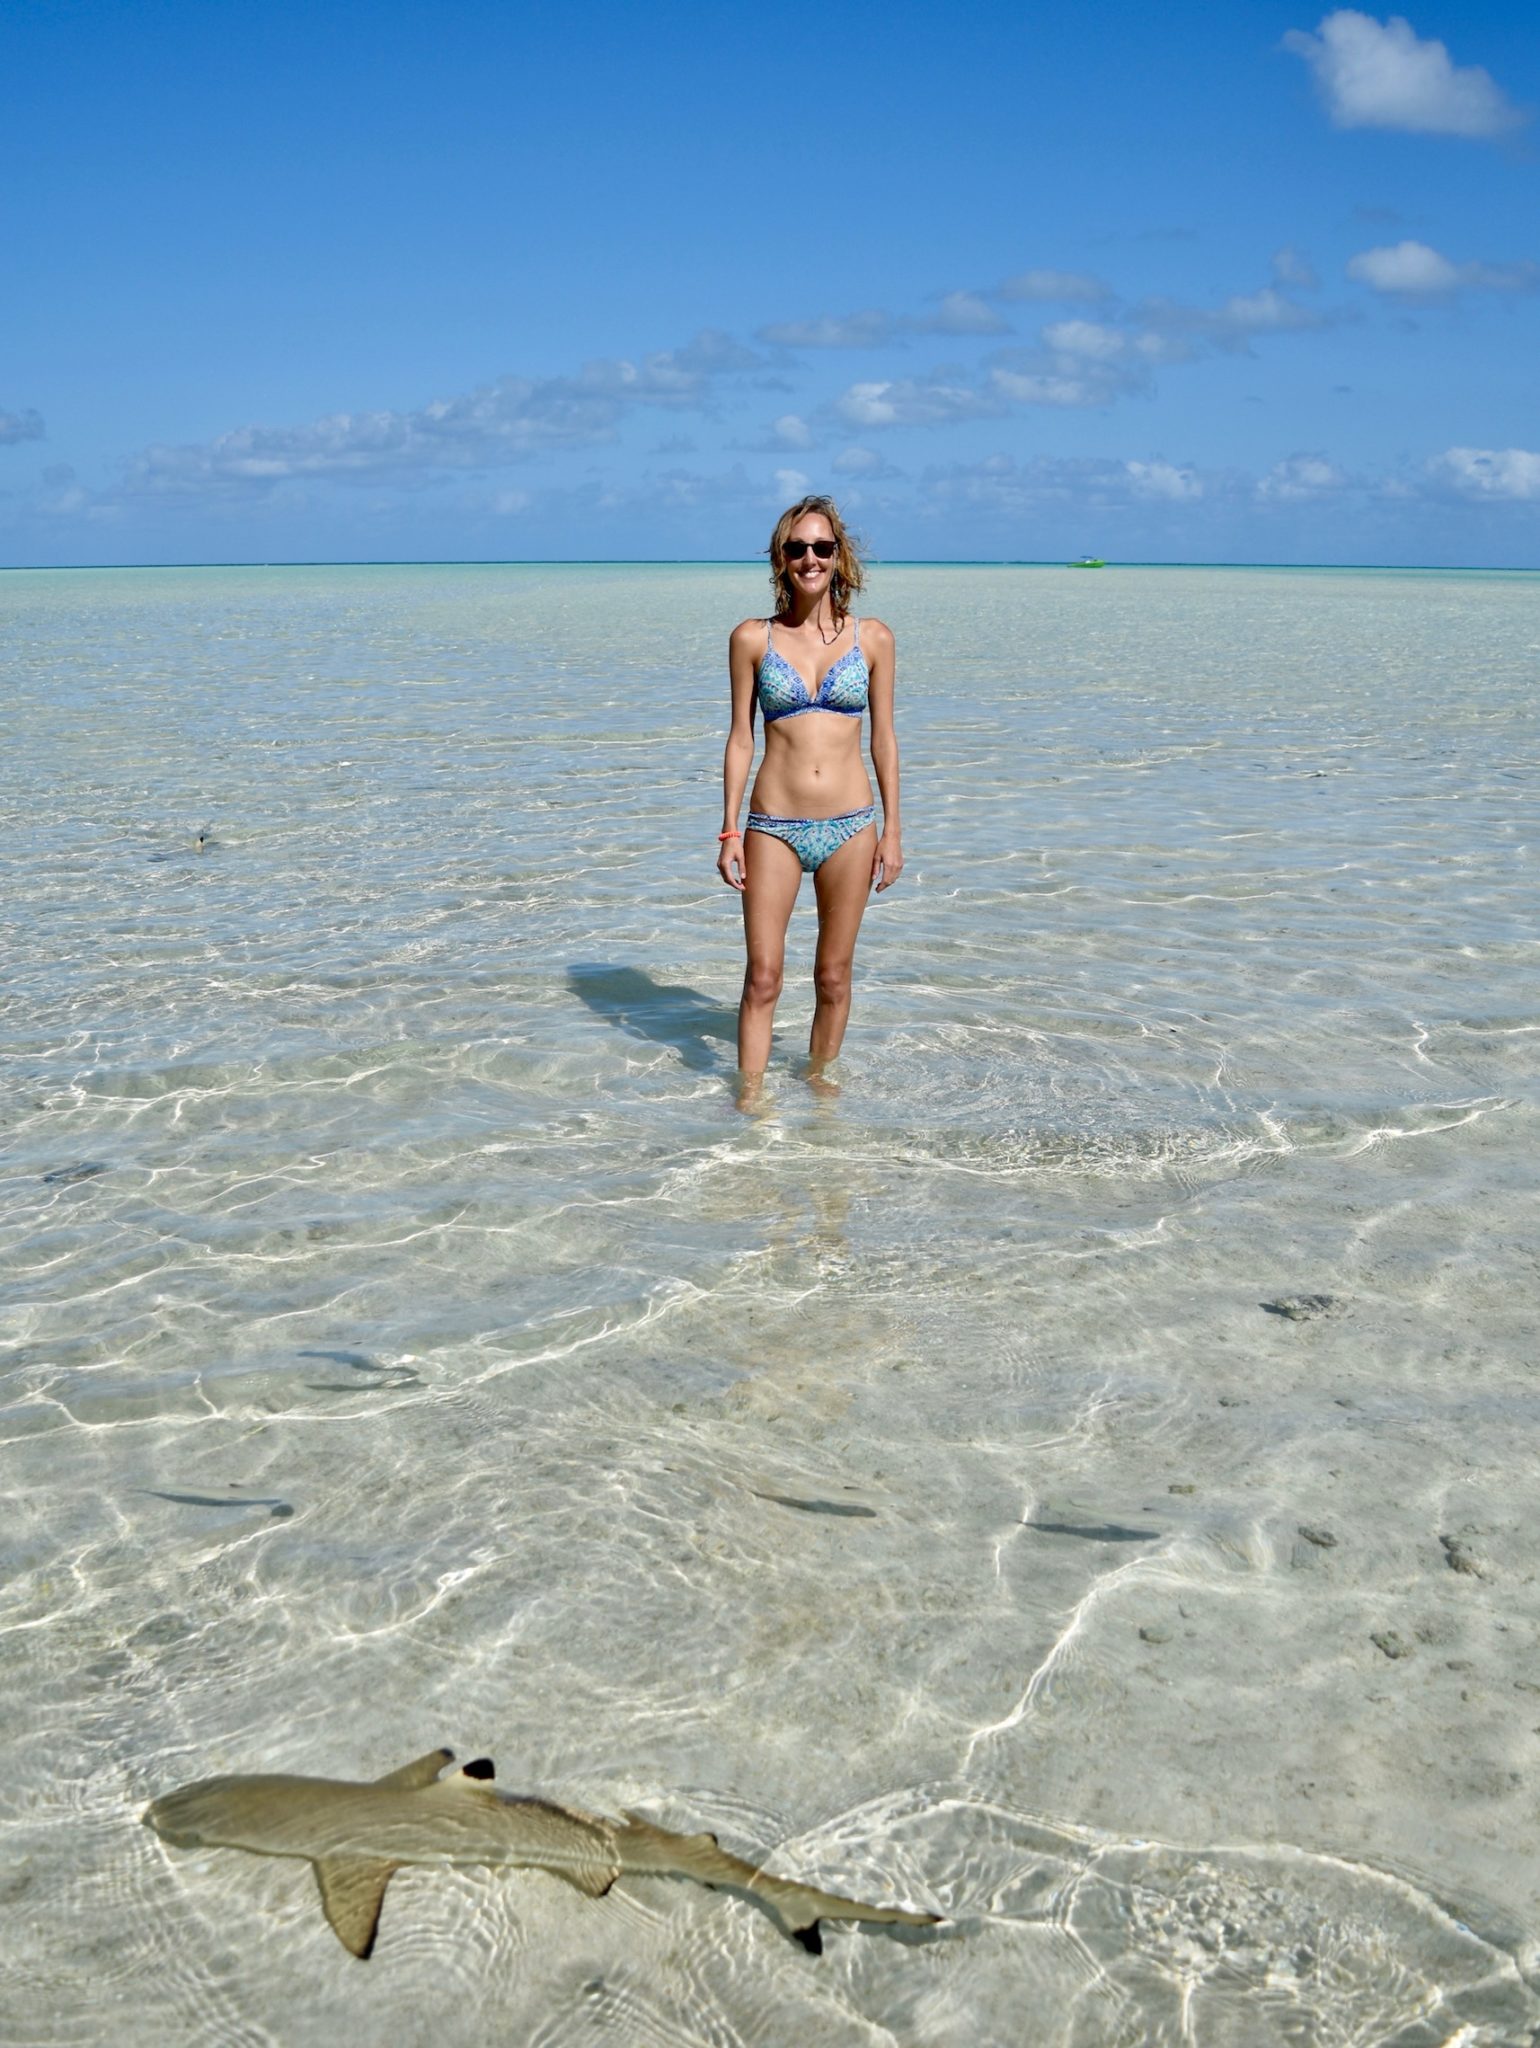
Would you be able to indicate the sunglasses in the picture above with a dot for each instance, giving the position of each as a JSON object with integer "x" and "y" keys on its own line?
{"x": 824, "y": 550}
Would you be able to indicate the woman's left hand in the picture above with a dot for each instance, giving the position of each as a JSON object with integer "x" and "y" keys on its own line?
{"x": 888, "y": 862}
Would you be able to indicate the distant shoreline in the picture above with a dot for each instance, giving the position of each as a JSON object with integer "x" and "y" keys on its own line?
{"x": 757, "y": 562}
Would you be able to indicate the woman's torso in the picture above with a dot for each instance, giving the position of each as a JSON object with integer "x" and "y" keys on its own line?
{"x": 813, "y": 767}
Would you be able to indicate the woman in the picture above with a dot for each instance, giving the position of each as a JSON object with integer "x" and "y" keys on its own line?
{"x": 813, "y": 668}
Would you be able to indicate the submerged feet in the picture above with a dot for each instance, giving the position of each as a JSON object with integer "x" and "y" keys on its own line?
{"x": 752, "y": 1097}
{"x": 751, "y": 1092}
{"x": 818, "y": 1078}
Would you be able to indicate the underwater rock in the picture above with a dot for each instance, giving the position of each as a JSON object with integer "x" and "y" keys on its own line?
{"x": 1459, "y": 1557}
{"x": 1300, "y": 1308}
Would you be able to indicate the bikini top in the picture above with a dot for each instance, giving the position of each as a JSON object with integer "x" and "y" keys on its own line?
{"x": 784, "y": 694}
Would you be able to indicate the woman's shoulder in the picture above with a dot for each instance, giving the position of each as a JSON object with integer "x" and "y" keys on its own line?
{"x": 875, "y": 630}
{"x": 748, "y": 632}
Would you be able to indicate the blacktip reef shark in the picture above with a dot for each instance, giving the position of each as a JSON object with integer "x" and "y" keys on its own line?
{"x": 358, "y": 1836}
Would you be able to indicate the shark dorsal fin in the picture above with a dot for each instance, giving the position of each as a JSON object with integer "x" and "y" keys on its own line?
{"x": 424, "y": 1770}
{"x": 479, "y": 1767}
{"x": 352, "y": 1891}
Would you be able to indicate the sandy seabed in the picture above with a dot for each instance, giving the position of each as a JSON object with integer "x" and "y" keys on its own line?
{"x": 1078, "y": 1480}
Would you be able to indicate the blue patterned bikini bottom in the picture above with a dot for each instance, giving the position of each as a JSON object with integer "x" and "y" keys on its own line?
{"x": 812, "y": 840}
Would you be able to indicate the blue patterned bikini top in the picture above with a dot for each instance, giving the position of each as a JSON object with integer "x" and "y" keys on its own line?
{"x": 784, "y": 694}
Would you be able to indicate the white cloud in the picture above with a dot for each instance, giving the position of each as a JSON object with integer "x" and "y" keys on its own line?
{"x": 1081, "y": 363}
{"x": 1061, "y": 287}
{"x": 855, "y": 330}
{"x": 20, "y": 426}
{"x": 1265, "y": 312}
{"x": 1047, "y": 387}
{"x": 1164, "y": 348}
{"x": 1233, "y": 325}
{"x": 1408, "y": 267}
{"x": 956, "y": 313}
{"x": 1414, "y": 271}
{"x": 962, "y": 313}
{"x": 914, "y": 402}
{"x": 1163, "y": 480}
{"x": 792, "y": 431}
{"x": 857, "y": 461}
{"x": 1003, "y": 486}
{"x": 1375, "y": 74}
{"x": 1490, "y": 472}
{"x": 1300, "y": 477}
{"x": 791, "y": 484}
{"x": 1086, "y": 338}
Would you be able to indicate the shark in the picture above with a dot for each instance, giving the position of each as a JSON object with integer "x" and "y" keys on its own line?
{"x": 357, "y": 1836}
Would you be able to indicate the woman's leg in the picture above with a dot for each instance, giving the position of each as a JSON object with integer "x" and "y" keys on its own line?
{"x": 843, "y": 883}
{"x": 771, "y": 873}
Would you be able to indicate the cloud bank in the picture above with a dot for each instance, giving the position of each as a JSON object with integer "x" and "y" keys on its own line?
{"x": 507, "y": 421}
{"x": 1411, "y": 270}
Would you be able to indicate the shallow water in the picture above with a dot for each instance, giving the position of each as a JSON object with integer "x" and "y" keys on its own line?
{"x": 405, "y": 1340}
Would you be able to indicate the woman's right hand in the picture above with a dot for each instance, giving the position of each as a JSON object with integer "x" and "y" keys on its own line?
{"x": 730, "y": 862}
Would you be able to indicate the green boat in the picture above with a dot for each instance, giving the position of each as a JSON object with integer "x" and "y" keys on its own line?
{"x": 1088, "y": 562}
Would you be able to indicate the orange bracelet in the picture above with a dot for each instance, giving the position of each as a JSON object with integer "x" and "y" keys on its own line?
{"x": 729, "y": 835}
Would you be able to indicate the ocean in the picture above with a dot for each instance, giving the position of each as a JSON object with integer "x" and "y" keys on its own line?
{"x": 1077, "y": 1478}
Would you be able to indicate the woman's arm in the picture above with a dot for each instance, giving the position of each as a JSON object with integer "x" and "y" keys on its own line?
{"x": 877, "y": 645}
{"x": 743, "y": 651}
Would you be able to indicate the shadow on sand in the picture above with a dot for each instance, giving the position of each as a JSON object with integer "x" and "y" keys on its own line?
{"x": 668, "y": 1013}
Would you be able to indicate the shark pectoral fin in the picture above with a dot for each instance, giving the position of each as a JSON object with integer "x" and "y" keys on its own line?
{"x": 424, "y": 1770}
{"x": 352, "y": 1892}
{"x": 811, "y": 1937}
{"x": 592, "y": 1879}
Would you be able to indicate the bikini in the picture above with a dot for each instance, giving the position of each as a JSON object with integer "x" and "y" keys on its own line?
{"x": 783, "y": 693}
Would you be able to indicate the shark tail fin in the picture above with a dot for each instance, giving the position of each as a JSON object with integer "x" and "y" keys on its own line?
{"x": 423, "y": 1770}
{"x": 352, "y": 1892}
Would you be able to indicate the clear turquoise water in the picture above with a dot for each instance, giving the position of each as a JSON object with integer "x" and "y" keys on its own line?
{"x": 404, "y": 1340}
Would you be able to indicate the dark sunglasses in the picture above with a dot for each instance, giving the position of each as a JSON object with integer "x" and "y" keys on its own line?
{"x": 825, "y": 550}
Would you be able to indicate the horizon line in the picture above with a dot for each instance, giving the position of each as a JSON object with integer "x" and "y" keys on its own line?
{"x": 739, "y": 562}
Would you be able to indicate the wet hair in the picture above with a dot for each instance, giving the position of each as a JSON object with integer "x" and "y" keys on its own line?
{"x": 848, "y": 576}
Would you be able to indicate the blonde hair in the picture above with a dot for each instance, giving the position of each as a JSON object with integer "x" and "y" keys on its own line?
{"x": 848, "y": 575}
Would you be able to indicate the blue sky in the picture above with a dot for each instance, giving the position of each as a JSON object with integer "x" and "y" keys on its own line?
{"x": 1255, "y": 283}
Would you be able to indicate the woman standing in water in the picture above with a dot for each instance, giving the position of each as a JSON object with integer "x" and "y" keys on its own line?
{"x": 812, "y": 668}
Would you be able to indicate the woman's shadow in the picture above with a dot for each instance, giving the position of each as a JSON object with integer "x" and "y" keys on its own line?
{"x": 666, "y": 1012}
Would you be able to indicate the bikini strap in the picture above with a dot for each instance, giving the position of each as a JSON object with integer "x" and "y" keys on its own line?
{"x": 769, "y": 642}
{"x": 856, "y": 623}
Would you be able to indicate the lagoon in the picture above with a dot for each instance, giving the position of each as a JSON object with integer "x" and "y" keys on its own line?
{"x": 1077, "y": 1479}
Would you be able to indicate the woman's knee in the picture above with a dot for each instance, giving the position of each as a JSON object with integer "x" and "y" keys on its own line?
{"x": 762, "y": 981}
{"x": 831, "y": 981}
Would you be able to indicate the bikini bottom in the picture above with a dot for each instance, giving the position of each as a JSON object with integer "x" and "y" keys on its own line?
{"x": 812, "y": 840}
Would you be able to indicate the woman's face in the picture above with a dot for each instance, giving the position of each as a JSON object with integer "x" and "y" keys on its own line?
{"x": 809, "y": 577}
